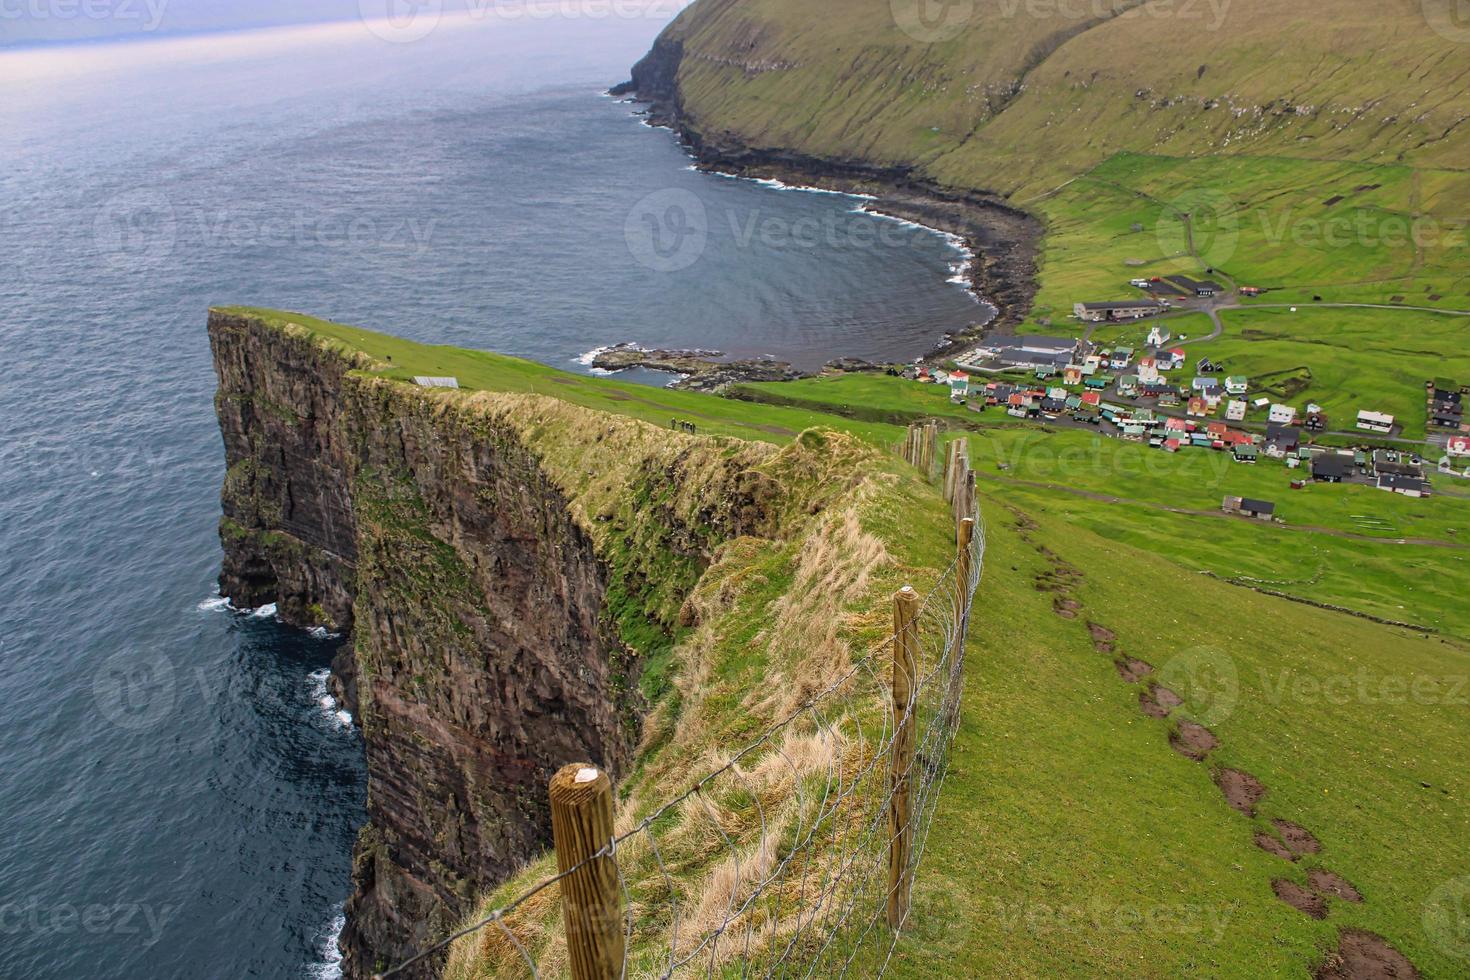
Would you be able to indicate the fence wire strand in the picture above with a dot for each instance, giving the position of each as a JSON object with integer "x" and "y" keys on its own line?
{"x": 718, "y": 880}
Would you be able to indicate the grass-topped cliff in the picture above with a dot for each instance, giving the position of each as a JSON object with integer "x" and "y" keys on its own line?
{"x": 1078, "y": 834}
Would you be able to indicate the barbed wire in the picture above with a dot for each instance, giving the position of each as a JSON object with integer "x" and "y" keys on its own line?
{"x": 777, "y": 861}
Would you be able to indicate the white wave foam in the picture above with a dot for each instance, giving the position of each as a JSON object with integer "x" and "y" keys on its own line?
{"x": 320, "y": 692}
{"x": 322, "y": 633}
{"x": 215, "y": 603}
{"x": 330, "y": 967}
{"x": 267, "y": 611}
{"x": 586, "y": 361}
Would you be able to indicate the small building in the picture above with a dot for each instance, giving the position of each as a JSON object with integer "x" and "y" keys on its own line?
{"x": 1395, "y": 463}
{"x": 1128, "y": 309}
{"x": 1098, "y": 382}
{"x": 427, "y": 382}
{"x": 1406, "y": 485}
{"x": 1121, "y": 358}
{"x": 1332, "y": 468}
{"x": 1446, "y": 405}
{"x": 1282, "y": 415}
{"x": 1203, "y": 289}
{"x": 1128, "y": 385}
{"x": 1315, "y": 422}
{"x": 1282, "y": 440}
{"x": 1168, "y": 360}
{"x": 1237, "y": 384}
{"x": 1245, "y": 452}
{"x": 1198, "y": 407}
{"x": 1159, "y": 335}
{"x": 1072, "y": 374}
{"x": 1261, "y": 402}
{"x": 1093, "y": 398}
{"x": 959, "y": 386}
{"x": 1235, "y": 411}
{"x": 1458, "y": 446}
{"x": 1260, "y": 510}
{"x": 1375, "y": 422}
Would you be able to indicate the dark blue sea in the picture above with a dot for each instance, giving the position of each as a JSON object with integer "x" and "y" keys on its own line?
{"x": 178, "y": 793}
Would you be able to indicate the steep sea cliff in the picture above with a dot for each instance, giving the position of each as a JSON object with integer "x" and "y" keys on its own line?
{"x": 507, "y": 566}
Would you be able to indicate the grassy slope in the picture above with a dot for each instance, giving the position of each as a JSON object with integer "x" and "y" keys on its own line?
{"x": 1073, "y": 841}
{"x": 1067, "y": 813}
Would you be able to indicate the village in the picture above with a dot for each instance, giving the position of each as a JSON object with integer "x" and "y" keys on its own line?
{"x": 1158, "y": 396}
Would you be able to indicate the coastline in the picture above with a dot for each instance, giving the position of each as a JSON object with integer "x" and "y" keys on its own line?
{"x": 999, "y": 241}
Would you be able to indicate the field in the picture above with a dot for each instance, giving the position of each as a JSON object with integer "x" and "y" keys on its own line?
{"x": 1072, "y": 839}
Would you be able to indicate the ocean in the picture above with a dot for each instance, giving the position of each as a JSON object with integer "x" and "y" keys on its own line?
{"x": 180, "y": 794}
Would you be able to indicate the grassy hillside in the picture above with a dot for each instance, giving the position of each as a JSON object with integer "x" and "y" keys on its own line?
{"x": 1072, "y": 838}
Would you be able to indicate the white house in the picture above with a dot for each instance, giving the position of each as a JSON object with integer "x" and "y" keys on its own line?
{"x": 959, "y": 386}
{"x": 1158, "y": 336}
{"x": 1235, "y": 411}
{"x": 1261, "y": 402}
{"x": 1458, "y": 446}
{"x": 1237, "y": 384}
{"x": 1122, "y": 357}
{"x": 1282, "y": 415}
{"x": 1375, "y": 422}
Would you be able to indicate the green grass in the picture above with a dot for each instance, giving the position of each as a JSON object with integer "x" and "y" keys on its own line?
{"x": 1374, "y": 360}
{"x": 1072, "y": 841}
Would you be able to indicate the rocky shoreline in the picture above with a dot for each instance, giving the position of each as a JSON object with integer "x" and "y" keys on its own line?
{"x": 1002, "y": 238}
{"x": 702, "y": 370}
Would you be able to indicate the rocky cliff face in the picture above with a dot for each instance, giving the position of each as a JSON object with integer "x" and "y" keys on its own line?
{"x": 507, "y": 565}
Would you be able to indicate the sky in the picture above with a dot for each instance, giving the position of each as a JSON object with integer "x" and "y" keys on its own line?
{"x": 33, "y": 22}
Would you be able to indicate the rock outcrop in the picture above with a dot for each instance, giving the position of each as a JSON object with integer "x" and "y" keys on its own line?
{"x": 506, "y": 564}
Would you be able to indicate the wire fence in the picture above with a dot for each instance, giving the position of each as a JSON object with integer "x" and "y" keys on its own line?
{"x": 794, "y": 857}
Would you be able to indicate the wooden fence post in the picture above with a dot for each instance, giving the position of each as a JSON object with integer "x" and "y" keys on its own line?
{"x": 901, "y": 757}
{"x": 582, "y": 825}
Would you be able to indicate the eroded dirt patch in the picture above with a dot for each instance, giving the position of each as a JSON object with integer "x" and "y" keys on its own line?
{"x": 1133, "y": 671}
{"x": 1066, "y": 607}
{"x": 1192, "y": 740}
{"x": 1102, "y": 637}
{"x": 1149, "y": 704}
{"x": 1330, "y": 883}
{"x": 1361, "y": 955}
{"x": 1298, "y": 838}
{"x": 1302, "y": 899}
{"x": 1272, "y": 845}
{"x": 1242, "y": 790}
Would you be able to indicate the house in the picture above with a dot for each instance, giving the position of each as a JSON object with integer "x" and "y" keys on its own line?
{"x": 1237, "y": 384}
{"x": 1169, "y": 398}
{"x": 1458, "y": 446}
{"x": 1128, "y": 385}
{"x": 1375, "y": 422}
{"x": 1204, "y": 385}
{"x": 1235, "y": 411}
{"x": 1406, "y": 485}
{"x": 1053, "y": 406}
{"x": 1172, "y": 424}
{"x": 1158, "y": 336}
{"x": 1218, "y": 432}
{"x": 1282, "y": 440}
{"x": 1128, "y": 309}
{"x": 1072, "y": 374}
{"x": 1099, "y": 383}
{"x": 1446, "y": 405}
{"x": 1198, "y": 407}
{"x": 1315, "y": 422}
{"x": 1168, "y": 360}
{"x": 1261, "y": 402}
{"x": 1121, "y": 358}
{"x": 1092, "y": 398}
{"x": 1282, "y": 415}
{"x": 1057, "y": 392}
{"x": 1393, "y": 463}
{"x": 1261, "y": 510}
{"x": 1332, "y": 468}
{"x": 1245, "y": 452}
{"x": 1148, "y": 370}
{"x": 959, "y": 386}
